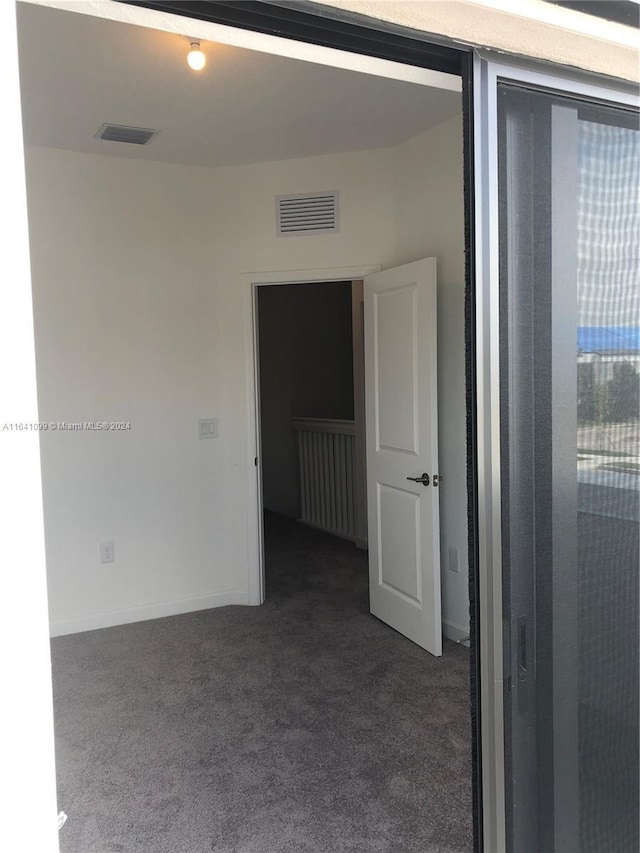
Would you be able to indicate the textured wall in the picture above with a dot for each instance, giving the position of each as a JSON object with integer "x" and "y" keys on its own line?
{"x": 529, "y": 28}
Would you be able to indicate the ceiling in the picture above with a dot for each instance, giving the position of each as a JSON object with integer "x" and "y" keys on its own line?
{"x": 78, "y": 72}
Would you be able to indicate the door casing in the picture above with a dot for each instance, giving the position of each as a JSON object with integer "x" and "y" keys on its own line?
{"x": 253, "y": 281}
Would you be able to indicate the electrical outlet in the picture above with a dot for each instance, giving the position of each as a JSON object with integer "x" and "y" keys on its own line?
{"x": 107, "y": 552}
{"x": 454, "y": 560}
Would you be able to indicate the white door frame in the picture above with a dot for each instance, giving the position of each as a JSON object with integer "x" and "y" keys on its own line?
{"x": 251, "y": 282}
{"x": 27, "y": 770}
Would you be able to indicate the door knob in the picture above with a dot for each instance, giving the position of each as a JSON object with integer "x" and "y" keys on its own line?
{"x": 424, "y": 479}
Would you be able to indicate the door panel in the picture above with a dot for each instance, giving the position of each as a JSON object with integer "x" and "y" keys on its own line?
{"x": 401, "y": 401}
{"x": 399, "y": 533}
{"x": 395, "y": 316}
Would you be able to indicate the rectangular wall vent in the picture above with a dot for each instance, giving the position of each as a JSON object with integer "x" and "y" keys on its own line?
{"x": 125, "y": 133}
{"x": 308, "y": 213}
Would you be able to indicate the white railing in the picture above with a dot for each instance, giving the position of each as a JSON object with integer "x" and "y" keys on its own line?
{"x": 326, "y": 456}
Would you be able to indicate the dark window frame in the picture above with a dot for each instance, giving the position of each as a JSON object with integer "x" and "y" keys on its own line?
{"x": 619, "y": 11}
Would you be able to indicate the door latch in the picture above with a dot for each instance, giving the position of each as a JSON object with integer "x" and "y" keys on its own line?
{"x": 424, "y": 479}
{"x": 437, "y": 479}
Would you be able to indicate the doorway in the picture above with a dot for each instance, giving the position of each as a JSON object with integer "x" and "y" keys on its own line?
{"x": 307, "y": 466}
{"x": 306, "y": 379}
{"x": 306, "y": 401}
{"x": 308, "y": 390}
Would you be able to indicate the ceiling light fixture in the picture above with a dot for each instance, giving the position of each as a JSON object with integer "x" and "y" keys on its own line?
{"x": 196, "y": 58}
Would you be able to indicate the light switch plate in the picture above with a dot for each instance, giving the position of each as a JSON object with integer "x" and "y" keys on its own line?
{"x": 208, "y": 428}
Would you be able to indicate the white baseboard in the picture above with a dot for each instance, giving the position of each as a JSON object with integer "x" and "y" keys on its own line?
{"x": 154, "y": 610}
{"x": 454, "y": 632}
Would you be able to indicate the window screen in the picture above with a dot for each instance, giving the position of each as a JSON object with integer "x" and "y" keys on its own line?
{"x": 569, "y": 187}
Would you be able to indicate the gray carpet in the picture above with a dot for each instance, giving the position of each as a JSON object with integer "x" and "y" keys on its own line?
{"x": 302, "y": 726}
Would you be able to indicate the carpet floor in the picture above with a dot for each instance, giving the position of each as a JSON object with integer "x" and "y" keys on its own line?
{"x": 302, "y": 726}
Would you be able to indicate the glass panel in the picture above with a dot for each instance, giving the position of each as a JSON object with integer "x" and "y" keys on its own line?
{"x": 569, "y": 188}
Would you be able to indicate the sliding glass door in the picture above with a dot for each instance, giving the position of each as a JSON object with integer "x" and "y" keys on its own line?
{"x": 562, "y": 354}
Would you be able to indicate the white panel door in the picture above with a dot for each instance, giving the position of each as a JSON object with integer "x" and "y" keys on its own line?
{"x": 402, "y": 443}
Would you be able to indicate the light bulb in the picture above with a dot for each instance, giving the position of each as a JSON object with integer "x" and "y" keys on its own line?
{"x": 196, "y": 58}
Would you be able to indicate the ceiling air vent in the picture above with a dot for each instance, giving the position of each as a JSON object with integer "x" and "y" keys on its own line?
{"x": 309, "y": 213}
{"x": 124, "y": 133}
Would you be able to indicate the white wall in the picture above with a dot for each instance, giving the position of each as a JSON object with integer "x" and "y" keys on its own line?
{"x": 143, "y": 315}
{"x": 430, "y": 222}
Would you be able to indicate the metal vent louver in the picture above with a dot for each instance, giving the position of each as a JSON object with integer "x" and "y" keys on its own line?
{"x": 125, "y": 133}
{"x": 308, "y": 213}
